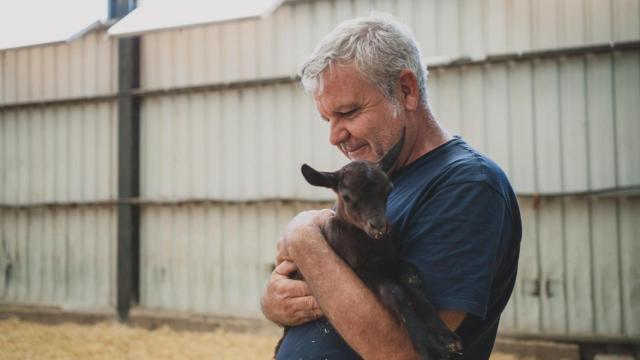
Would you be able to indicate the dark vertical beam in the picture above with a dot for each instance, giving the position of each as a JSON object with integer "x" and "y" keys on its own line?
{"x": 128, "y": 262}
{"x": 128, "y": 279}
{"x": 120, "y": 8}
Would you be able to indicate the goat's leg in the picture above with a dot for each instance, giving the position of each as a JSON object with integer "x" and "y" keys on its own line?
{"x": 395, "y": 298}
{"x": 442, "y": 339}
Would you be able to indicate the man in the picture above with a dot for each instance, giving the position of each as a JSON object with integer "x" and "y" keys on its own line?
{"x": 454, "y": 209}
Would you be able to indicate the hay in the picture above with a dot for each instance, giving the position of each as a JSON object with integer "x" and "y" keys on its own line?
{"x": 27, "y": 340}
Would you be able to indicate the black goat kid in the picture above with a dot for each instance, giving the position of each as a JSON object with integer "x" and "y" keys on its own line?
{"x": 361, "y": 235}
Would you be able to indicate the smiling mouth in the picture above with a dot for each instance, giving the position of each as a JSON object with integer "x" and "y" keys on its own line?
{"x": 351, "y": 152}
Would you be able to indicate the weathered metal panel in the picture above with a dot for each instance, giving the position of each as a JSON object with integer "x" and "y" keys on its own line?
{"x": 627, "y": 19}
{"x": 520, "y": 29}
{"x": 545, "y": 20}
{"x": 211, "y": 259}
{"x": 449, "y": 100}
{"x": 82, "y": 67}
{"x": 547, "y": 126}
{"x": 573, "y": 129}
{"x": 58, "y": 257}
{"x": 552, "y": 266}
{"x": 629, "y": 254}
{"x": 495, "y": 15}
{"x": 601, "y": 122}
{"x": 521, "y": 116}
{"x": 22, "y": 151}
{"x": 497, "y": 125}
{"x": 9, "y": 144}
{"x": 276, "y": 45}
{"x": 598, "y": 19}
{"x": 572, "y": 29}
{"x": 528, "y": 283}
{"x": 472, "y": 28}
{"x": 577, "y": 274}
{"x": 606, "y": 266}
{"x": 473, "y": 106}
{"x": 22, "y": 73}
{"x": 49, "y": 151}
{"x": 578, "y": 271}
{"x": 426, "y": 26}
{"x": 80, "y": 153}
{"x": 61, "y": 136}
{"x": 581, "y": 136}
{"x": 3, "y": 76}
{"x": 216, "y": 145}
{"x": 36, "y": 154}
{"x": 62, "y": 71}
{"x": 448, "y": 25}
{"x": 10, "y": 76}
{"x": 627, "y": 117}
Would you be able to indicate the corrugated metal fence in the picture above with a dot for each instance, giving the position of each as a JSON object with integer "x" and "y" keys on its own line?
{"x": 225, "y": 127}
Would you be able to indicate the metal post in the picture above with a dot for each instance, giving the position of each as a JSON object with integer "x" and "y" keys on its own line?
{"x": 128, "y": 263}
{"x": 120, "y": 8}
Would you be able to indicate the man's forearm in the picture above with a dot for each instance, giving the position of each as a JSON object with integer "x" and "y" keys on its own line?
{"x": 351, "y": 307}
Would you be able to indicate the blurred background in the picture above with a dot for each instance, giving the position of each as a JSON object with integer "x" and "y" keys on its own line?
{"x": 150, "y": 151}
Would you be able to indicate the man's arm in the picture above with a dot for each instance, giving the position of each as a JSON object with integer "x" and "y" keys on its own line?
{"x": 452, "y": 318}
{"x": 350, "y": 306}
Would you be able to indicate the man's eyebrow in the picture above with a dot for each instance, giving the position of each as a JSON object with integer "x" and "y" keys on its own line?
{"x": 345, "y": 108}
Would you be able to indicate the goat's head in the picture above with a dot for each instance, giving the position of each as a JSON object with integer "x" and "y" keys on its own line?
{"x": 362, "y": 188}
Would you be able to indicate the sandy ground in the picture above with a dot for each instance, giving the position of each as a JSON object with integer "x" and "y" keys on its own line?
{"x": 26, "y": 340}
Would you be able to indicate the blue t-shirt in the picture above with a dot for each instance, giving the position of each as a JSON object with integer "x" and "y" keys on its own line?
{"x": 459, "y": 224}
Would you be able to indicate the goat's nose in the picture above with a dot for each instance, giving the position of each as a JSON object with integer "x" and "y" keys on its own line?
{"x": 378, "y": 225}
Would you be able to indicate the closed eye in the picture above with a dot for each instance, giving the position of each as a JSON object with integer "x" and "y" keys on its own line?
{"x": 349, "y": 113}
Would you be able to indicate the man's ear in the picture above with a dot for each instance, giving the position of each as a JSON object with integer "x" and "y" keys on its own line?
{"x": 318, "y": 178}
{"x": 409, "y": 90}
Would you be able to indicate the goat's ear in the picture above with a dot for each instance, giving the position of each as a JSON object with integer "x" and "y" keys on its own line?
{"x": 318, "y": 178}
{"x": 389, "y": 159}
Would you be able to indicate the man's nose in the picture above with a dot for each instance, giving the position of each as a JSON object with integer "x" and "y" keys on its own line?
{"x": 338, "y": 133}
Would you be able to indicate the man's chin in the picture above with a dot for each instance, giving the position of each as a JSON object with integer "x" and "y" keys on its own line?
{"x": 363, "y": 153}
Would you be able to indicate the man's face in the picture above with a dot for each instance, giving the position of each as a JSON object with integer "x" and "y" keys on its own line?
{"x": 362, "y": 120}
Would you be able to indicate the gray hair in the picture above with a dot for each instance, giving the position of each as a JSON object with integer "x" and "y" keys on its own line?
{"x": 379, "y": 47}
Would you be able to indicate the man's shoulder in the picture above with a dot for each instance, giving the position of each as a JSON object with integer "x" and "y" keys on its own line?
{"x": 457, "y": 162}
{"x": 454, "y": 169}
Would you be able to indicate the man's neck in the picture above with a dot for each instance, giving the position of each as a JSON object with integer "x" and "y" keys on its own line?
{"x": 428, "y": 136}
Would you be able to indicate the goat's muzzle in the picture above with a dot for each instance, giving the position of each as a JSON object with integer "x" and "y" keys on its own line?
{"x": 377, "y": 231}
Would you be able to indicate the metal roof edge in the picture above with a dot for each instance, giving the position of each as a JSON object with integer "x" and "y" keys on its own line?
{"x": 93, "y": 26}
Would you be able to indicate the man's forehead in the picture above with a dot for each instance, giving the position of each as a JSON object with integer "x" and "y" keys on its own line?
{"x": 339, "y": 90}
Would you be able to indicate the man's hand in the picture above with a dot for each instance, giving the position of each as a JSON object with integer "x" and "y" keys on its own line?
{"x": 285, "y": 301}
{"x": 288, "y": 302}
{"x": 304, "y": 229}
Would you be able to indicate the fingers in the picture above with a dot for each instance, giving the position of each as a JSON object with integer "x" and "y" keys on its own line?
{"x": 287, "y": 301}
{"x": 288, "y": 288}
{"x": 309, "y": 217}
{"x": 305, "y": 309}
{"x": 282, "y": 253}
{"x": 322, "y": 216}
{"x": 286, "y": 268}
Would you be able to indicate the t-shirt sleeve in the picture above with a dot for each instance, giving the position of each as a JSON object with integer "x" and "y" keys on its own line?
{"x": 453, "y": 239}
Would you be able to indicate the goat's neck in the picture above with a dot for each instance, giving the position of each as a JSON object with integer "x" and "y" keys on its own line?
{"x": 345, "y": 221}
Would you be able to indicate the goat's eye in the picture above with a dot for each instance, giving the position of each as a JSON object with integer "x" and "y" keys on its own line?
{"x": 346, "y": 198}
